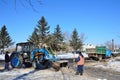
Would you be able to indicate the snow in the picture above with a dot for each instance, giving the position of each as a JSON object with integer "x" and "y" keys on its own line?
{"x": 47, "y": 74}
{"x": 59, "y": 56}
{"x": 112, "y": 64}
{"x": 50, "y": 74}
{"x": 2, "y": 56}
{"x": 66, "y": 56}
{"x": 70, "y": 55}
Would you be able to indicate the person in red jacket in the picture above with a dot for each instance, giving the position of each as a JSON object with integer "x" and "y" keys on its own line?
{"x": 7, "y": 60}
{"x": 80, "y": 64}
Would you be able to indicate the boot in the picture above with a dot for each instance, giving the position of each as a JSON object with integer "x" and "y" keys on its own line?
{"x": 81, "y": 73}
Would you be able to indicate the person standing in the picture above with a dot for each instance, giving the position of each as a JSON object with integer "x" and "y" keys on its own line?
{"x": 7, "y": 60}
{"x": 80, "y": 64}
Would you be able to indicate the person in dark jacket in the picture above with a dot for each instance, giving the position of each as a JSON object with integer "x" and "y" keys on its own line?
{"x": 7, "y": 60}
{"x": 80, "y": 64}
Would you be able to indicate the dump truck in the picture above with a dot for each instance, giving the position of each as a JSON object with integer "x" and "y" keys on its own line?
{"x": 26, "y": 55}
{"x": 99, "y": 52}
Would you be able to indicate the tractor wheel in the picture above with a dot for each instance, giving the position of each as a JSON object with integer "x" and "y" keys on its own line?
{"x": 16, "y": 61}
{"x": 47, "y": 64}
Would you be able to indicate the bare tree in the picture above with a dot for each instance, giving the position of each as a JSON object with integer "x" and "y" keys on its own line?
{"x": 67, "y": 36}
{"x": 82, "y": 37}
{"x": 108, "y": 44}
{"x": 24, "y": 3}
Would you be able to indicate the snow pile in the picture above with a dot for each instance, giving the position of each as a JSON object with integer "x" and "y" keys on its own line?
{"x": 2, "y": 56}
{"x": 65, "y": 56}
{"x": 85, "y": 55}
{"x": 70, "y": 56}
{"x": 113, "y": 64}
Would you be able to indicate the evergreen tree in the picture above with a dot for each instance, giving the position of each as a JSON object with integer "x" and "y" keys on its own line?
{"x": 34, "y": 38}
{"x": 51, "y": 42}
{"x": 58, "y": 38}
{"x": 55, "y": 40}
{"x": 42, "y": 30}
{"x": 5, "y": 39}
{"x": 58, "y": 34}
{"x": 76, "y": 43}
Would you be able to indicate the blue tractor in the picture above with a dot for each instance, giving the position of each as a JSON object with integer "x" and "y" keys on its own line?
{"x": 26, "y": 55}
{"x": 42, "y": 58}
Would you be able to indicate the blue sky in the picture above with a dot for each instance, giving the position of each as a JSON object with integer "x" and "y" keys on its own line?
{"x": 99, "y": 20}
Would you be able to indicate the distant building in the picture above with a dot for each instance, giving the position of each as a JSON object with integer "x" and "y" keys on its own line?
{"x": 88, "y": 46}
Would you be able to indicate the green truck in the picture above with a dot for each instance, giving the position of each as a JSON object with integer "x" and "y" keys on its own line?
{"x": 99, "y": 52}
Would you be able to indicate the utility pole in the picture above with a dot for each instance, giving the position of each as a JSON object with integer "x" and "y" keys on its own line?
{"x": 112, "y": 44}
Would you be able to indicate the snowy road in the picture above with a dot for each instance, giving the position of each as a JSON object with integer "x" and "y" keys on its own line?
{"x": 93, "y": 71}
{"x": 63, "y": 74}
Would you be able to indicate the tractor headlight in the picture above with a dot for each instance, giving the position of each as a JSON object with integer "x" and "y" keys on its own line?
{"x": 25, "y": 55}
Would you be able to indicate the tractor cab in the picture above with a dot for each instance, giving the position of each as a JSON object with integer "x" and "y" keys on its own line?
{"x": 22, "y": 54}
{"x": 24, "y": 47}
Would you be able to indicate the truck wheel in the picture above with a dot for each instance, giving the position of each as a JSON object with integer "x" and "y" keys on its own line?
{"x": 47, "y": 64}
{"x": 16, "y": 61}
